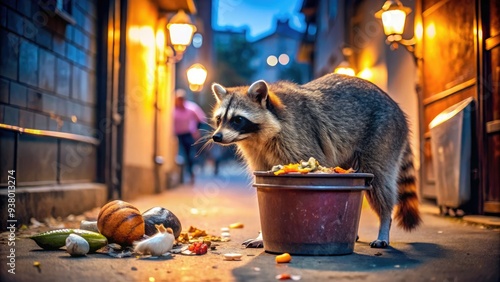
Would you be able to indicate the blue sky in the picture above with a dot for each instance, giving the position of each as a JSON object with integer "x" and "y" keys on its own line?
{"x": 259, "y": 15}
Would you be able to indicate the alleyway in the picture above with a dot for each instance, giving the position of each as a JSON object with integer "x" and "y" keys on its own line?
{"x": 443, "y": 249}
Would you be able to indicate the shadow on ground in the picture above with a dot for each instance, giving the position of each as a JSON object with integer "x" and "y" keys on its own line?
{"x": 363, "y": 260}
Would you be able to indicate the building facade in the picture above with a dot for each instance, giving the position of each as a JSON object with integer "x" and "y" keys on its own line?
{"x": 86, "y": 98}
{"x": 276, "y": 57}
{"x": 454, "y": 56}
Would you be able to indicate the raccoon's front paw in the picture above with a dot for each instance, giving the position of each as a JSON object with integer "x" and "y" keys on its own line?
{"x": 254, "y": 243}
{"x": 379, "y": 244}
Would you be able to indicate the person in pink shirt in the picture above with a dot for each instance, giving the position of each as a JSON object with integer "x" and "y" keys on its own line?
{"x": 188, "y": 117}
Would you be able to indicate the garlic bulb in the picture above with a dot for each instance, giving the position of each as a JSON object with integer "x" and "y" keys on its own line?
{"x": 77, "y": 245}
{"x": 158, "y": 244}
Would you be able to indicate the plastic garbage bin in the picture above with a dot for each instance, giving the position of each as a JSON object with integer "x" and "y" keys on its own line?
{"x": 451, "y": 154}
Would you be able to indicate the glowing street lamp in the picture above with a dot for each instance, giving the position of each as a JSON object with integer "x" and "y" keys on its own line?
{"x": 393, "y": 15}
{"x": 196, "y": 74}
{"x": 181, "y": 32}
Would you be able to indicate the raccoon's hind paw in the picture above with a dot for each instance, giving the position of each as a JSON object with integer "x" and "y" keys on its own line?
{"x": 379, "y": 244}
{"x": 254, "y": 243}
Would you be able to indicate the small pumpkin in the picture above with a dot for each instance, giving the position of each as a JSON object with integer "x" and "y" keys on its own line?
{"x": 120, "y": 222}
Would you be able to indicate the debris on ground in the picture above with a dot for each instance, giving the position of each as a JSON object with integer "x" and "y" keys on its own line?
{"x": 236, "y": 225}
{"x": 232, "y": 256}
{"x": 286, "y": 276}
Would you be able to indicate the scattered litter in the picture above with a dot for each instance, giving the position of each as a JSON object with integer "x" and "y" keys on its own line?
{"x": 232, "y": 256}
{"x": 89, "y": 225}
{"x": 133, "y": 268}
{"x": 283, "y": 258}
{"x": 225, "y": 235}
{"x": 440, "y": 232}
{"x": 37, "y": 265}
{"x": 152, "y": 279}
{"x": 224, "y": 229}
{"x": 195, "y": 211}
{"x": 117, "y": 253}
{"x": 286, "y": 276}
{"x": 158, "y": 244}
{"x": 194, "y": 235}
{"x": 236, "y": 225}
{"x": 256, "y": 268}
{"x": 378, "y": 254}
{"x": 35, "y": 223}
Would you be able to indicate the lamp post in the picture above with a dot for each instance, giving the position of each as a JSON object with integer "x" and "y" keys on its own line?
{"x": 393, "y": 15}
{"x": 196, "y": 74}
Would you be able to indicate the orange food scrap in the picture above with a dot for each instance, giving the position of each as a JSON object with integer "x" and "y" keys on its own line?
{"x": 236, "y": 225}
{"x": 283, "y": 258}
{"x": 338, "y": 169}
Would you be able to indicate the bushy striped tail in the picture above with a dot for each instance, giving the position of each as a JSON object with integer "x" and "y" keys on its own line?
{"x": 407, "y": 213}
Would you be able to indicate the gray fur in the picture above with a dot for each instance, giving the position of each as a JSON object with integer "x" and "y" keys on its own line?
{"x": 336, "y": 119}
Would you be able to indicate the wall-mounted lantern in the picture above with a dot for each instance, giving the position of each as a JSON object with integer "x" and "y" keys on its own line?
{"x": 181, "y": 32}
{"x": 196, "y": 74}
{"x": 393, "y": 15}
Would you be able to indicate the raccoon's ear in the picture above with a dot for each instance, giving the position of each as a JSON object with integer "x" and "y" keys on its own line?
{"x": 258, "y": 92}
{"x": 219, "y": 91}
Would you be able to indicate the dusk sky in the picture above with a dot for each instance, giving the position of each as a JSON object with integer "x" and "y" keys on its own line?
{"x": 259, "y": 15}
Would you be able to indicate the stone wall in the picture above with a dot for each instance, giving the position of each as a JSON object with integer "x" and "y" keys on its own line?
{"x": 47, "y": 66}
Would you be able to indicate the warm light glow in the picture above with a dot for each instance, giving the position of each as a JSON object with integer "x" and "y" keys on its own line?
{"x": 366, "y": 74}
{"x": 147, "y": 36}
{"x": 181, "y": 34}
{"x": 393, "y": 15}
{"x": 272, "y": 60}
{"x": 196, "y": 74}
{"x": 394, "y": 22}
{"x": 419, "y": 30}
{"x": 430, "y": 30}
{"x": 134, "y": 34}
{"x": 344, "y": 70}
{"x": 160, "y": 40}
{"x": 181, "y": 31}
{"x": 284, "y": 59}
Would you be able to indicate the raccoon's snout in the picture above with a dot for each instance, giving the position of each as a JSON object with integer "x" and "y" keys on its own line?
{"x": 217, "y": 137}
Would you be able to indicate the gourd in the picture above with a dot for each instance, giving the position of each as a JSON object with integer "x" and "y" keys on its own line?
{"x": 121, "y": 223}
{"x": 55, "y": 239}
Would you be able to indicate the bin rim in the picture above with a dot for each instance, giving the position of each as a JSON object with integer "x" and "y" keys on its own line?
{"x": 450, "y": 112}
{"x": 320, "y": 175}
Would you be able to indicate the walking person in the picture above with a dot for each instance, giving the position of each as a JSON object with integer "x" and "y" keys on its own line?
{"x": 188, "y": 117}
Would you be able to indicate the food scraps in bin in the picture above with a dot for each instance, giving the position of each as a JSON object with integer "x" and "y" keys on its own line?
{"x": 283, "y": 258}
{"x": 303, "y": 167}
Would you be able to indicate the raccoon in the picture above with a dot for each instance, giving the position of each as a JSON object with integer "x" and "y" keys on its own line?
{"x": 337, "y": 119}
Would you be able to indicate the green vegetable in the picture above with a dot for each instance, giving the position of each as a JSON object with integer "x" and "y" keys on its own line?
{"x": 55, "y": 239}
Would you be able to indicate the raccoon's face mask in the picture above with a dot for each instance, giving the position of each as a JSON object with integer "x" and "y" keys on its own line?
{"x": 240, "y": 112}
